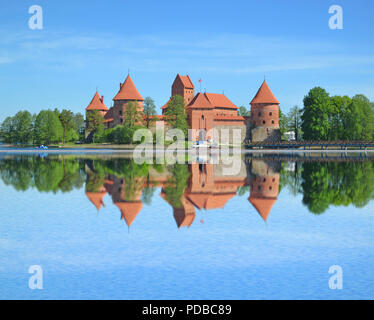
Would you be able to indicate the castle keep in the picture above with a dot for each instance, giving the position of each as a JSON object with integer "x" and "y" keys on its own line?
{"x": 205, "y": 111}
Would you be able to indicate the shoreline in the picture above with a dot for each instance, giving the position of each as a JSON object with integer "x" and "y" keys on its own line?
{"x": 216, "y": 151}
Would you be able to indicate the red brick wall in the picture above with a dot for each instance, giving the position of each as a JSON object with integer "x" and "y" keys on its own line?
{"x": 265, "y": 115}
{"x": 201, "y": 119}
{"x": 119, "y": 109}
{"x": 265, "y": 186}
{"x": 225, "y": 112}
{"x": 179, "y": 89}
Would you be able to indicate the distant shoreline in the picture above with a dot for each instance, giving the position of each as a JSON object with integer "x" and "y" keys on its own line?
{"x": 216, "y": 151}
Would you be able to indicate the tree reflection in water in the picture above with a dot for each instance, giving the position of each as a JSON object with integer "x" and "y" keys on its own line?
{"x": 187, "y": 187}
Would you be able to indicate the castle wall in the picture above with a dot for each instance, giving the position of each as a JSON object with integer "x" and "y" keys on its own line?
{"x": 227, "y": 125}
{"x": 119, "y": 110}
{"x": 201, "y": 119}
{"x": 265, "y": 115}
{"x": 225, "y": 112}
{"x": 265, "y": 134}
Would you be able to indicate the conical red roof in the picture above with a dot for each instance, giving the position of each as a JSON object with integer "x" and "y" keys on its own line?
{"x": 96, "y": 198}
{"x": 97, "y": 103}
{"x": 129, "y": 210}
{"x": 264, "y": 95}
{"x": 128, "y": 91}
{"x": 263, "y": 205}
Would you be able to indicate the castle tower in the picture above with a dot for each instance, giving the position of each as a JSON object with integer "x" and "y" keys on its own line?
{"x": 129, "y": 204}
{"x": 265, "y": 115}
{"x": 97, "y": 103}
{"x": 182, "y": 86}
{"x": 127, "y": 93}
{"x": 201, "y": 117}
{"x": 264, "y": 187}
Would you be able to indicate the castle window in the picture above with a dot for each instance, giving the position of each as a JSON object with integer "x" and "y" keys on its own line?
{"x": 272, "y": 121}
{"x": 270, "y": 113}
{"x": 120, "y": 112}
{"x": 263, "y": 122}
{"x": 264, "y": 179}
{"x": 270, "y": 187}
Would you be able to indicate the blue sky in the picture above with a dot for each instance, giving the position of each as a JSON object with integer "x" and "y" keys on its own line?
{"x": 230, "y": 45}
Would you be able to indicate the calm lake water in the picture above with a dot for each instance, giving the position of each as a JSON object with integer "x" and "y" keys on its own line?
{"x": 104, "y": 227}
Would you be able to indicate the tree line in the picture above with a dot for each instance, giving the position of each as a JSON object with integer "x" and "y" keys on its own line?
{"x": 326, "y": 117}
{"x": 321, "y": 184}
{"x": 46, "y": 127}
{"x": 323, "y": 117}
{"x": 326, "y": 184}
{"x": 337, "y": 117}
{"x": 46, "y": 174}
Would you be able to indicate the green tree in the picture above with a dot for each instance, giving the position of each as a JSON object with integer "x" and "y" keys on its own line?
{"x": 315, "y": 117}
{"x": 22, "y": 122}
{"x": 48, "y": 128}
{"x": 71, "y": 135}
{"x": 99, "y": 134}
{"x": 338, "y": 118}
{"x": 67, "y": 121}
{"x": 79, "y": 123}
{"x": 283, "y": 123}
{"x": 94, "y": 123}
{"x": 132, "y": 116}
{"x": 336, "y": 183}
{"x": 294, "y": 121}
{"x": 149, "y": 110}
{"x": 364, "y": 116}
{"x": 176, "y": 115}
{"x": 177, "y": 185}
{"x": 244, "y": 112}
{"x": 33, "y": 134}
{"x": 7, "y": 130}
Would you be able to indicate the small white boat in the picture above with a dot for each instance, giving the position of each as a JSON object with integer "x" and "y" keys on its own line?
{"x": 205, "y": 144}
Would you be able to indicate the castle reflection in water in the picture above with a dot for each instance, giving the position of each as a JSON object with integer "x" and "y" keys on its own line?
{"x": 207, "y": 188}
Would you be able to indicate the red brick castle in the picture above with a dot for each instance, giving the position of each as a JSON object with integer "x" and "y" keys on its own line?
{"x": 205, "y": 111}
